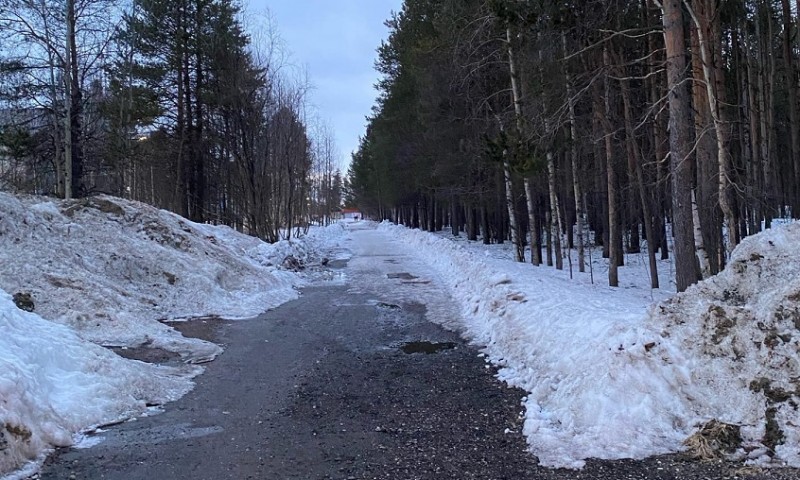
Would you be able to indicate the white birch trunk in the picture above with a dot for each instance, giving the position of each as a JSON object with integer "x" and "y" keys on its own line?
{"x": 551, "y": 183}
{"x": 576, "y": 185}
{"x": 554, "y": 207}
{"x": 699, "y": 246}
{"x": 532, "y": 222}
{"x": 517, "y": 98}
{"x": 519, "y": 254}
{"x": 722, "y": 149}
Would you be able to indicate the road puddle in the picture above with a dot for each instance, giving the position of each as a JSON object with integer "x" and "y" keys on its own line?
{"x": 388, "y": 306}
{"x": 426, "y": 347}
{"x": 146, "y": 353}
{"x": 401, "y": 276}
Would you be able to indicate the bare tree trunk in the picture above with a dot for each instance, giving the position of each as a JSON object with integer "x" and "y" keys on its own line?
{"x": 75, "y": 99}
{"x": 699, "y": 244}
{"x": 57, "y": 142}
{"x": 472, "y": 222}
{"x": 725, "y": 130}
{"x": 519, "y": 253}
{"x": 68, "y": 180}
{"x": 533, "y": 224}
{"x": 751, "y": 210}
{"x": 485, "y": 229}
{"x": 517, "y": 99}
{"x": 548, "y": 235}
{"x": 613, "y": 214}
{"x": 600, "y": 180}
{"x": 198, "y": 200}
{"x": 766, "y": 76}
{"x": 791, "y": 86}
{"x": 555, "y": 210}
{"x": 536, "y": 248}
{"x": 635, "y": 167}
{"x": 573, "y": 153}
{"x": 181, "y": 115}
{"x": 661, "y": 197}
{"x": 754, "y": 115}
{"x": 706, "y": 167}
{"x": 686, "y": 268}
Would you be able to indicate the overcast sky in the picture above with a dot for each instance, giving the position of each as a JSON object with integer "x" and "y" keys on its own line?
{"x": 336, "y": 41}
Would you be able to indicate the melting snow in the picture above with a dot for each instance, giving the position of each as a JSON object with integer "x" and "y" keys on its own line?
{"x": 109, "y": 271}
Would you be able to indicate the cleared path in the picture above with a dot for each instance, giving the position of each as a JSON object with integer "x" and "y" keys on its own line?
{"x": 322, "y": 387}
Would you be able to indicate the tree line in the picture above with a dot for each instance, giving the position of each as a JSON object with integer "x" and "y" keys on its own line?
{"x": 170, "y": 102}
{"x": 665, "y": 125}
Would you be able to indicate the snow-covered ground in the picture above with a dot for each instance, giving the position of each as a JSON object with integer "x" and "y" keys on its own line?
{"x": 106, "y": 271}
{"x": 631, "y": 372}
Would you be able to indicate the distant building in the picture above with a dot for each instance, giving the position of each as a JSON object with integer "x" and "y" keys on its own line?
{"x": 351, "y": 214}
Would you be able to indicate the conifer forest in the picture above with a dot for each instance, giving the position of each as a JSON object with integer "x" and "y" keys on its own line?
{"x": 664, "y": 127}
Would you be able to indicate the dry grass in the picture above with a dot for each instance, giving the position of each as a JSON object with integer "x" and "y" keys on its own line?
{"x": 713, "y": 441}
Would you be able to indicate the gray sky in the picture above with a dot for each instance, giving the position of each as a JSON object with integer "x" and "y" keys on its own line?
{"x": 336, "y": 41}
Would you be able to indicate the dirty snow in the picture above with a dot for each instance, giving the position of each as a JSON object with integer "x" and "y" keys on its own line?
{"x": 630, "y": 372}
{"x": 106, "y": 271}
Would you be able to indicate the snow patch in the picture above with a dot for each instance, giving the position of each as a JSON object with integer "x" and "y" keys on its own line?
{"x": 739, "y": 335}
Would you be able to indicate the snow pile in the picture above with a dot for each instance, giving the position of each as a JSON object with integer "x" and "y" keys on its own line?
{"x": 110, "y": 271}
{"x": 54, "y": 384}
{"x": 739, "y": 333}
{"x": 306, "y": 249}
{"x": 610, "y": 376}
{"x": 114, "y": 269}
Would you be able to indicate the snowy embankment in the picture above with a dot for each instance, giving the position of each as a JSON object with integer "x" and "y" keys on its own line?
{"x": 612, "y": 375}
{"x": 109, "y": 271}
{"x": 53, "y": 384}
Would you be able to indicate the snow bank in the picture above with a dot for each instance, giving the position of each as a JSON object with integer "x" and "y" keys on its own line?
{"x": 54, "y": 384}
{"x": 109, "y": 271}
{"x": 739, "y": 337}
{"x": 609, "y": 375}
{"x": 115, "y": 269}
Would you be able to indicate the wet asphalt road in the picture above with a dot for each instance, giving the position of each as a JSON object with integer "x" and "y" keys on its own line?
{"x": 321, "y": 388}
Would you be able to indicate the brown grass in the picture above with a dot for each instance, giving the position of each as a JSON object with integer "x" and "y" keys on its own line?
{"x": 713, "y": 441}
